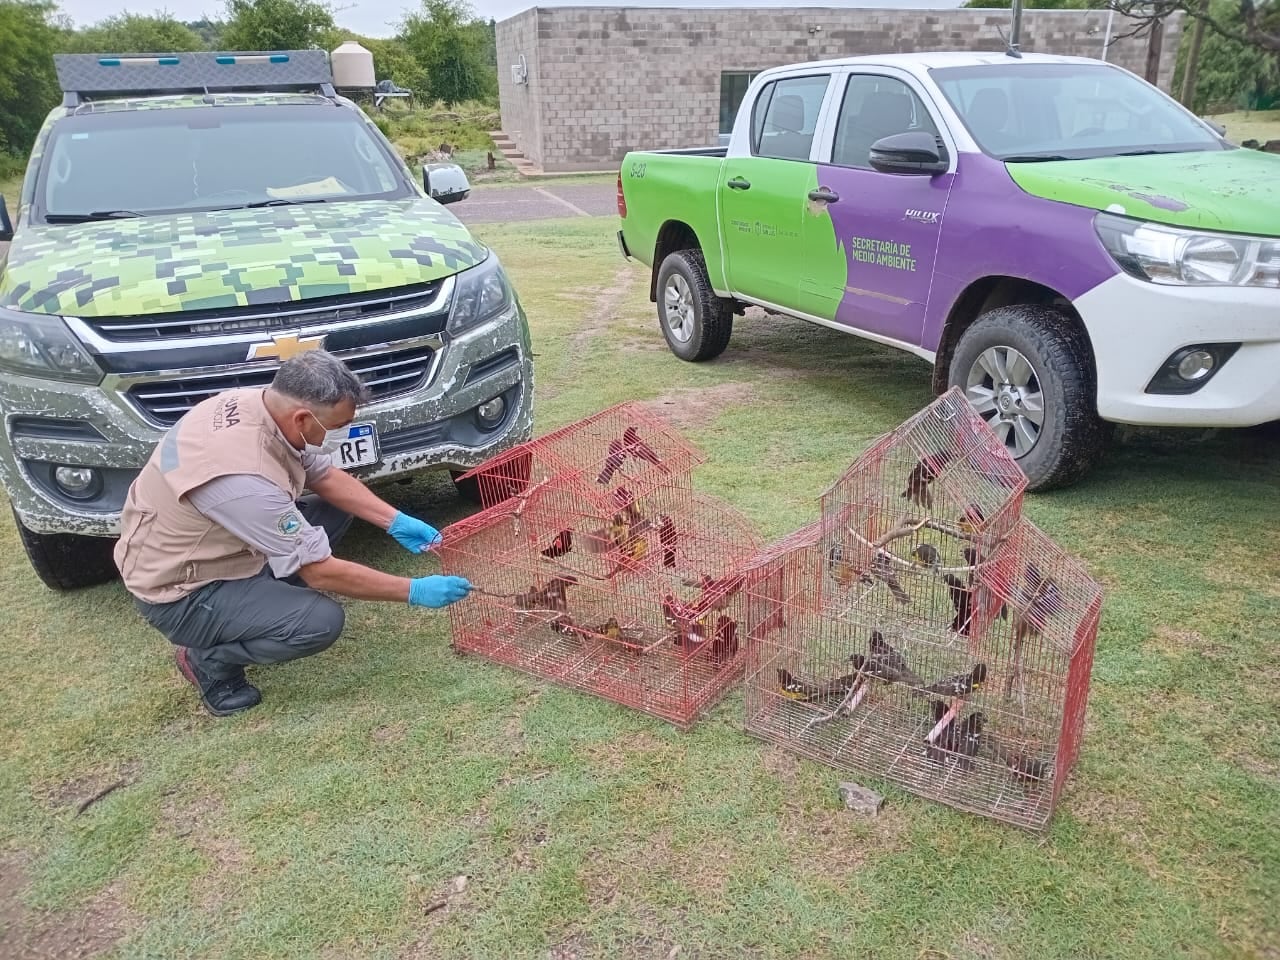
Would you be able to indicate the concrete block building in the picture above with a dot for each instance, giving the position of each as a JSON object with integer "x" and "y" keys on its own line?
{"x": 580, "y": 86}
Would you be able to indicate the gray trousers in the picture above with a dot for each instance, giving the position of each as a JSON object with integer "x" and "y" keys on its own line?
{"x": 229, "y": 624}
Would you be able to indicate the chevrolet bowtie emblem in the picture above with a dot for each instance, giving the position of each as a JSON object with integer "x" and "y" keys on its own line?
{"x": 285, "y": 346}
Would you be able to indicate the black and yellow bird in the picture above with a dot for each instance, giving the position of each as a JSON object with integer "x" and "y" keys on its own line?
{"x": 972, "y": 517}
{"x": 962, "y": 601}
{"x": 806, "y": 691}
{"x": 561, "y": 545}
{"x": 960, "y": 685}
{"x": 926, "y": 555}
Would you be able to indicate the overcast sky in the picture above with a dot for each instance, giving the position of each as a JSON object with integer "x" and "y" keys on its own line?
{"x": 377, "y": 18}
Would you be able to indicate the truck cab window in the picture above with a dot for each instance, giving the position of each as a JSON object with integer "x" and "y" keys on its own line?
{"x": 786, "y": 116}
{"x": 875, "y": 107}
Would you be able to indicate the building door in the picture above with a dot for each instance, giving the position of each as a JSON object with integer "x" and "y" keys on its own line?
{"x": 764, "y": 190}
{"x": 887, "y": 225}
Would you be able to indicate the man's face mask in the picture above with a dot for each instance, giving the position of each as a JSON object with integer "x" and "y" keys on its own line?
{"x": 330, "y": 442}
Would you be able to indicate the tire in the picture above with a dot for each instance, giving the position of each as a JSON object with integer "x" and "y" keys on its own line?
{"x": 695, "y": 322}
{"x": 66, "y": 561}
{"x": 1071, "y": 437}
{"x": 468, "y": 489}
{"x": 510, "y": 483}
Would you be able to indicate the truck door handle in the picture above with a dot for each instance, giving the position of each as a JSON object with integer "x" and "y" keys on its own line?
{"x": 825, "y": 195}
{"x": 737, "y": 183}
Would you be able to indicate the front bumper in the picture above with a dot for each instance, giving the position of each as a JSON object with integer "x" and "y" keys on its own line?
{"x": 49, "y": 424}
{"x": 1136, "y": 326}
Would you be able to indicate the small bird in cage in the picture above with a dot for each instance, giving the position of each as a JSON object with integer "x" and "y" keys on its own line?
{"x": 1028, "y": 771}
{"x": 962, "y": 600}
{"x": 842, "y": 571}
{"x": 563, "y": 625}
{"x": 626, "y": 502}
{"x": 561, "y": 545}
{"x": 922, "y": 476}
{"x": 725, "y": 645}
{"x": 961, "y": 685}
{"x": 806, "y": 691}
{"x": 668, "y": 538}
{"x": 882, "y": 568}
{"x": 971, "y": 518}
{"x": 613, "y": 462}
{"x": 722, "y": 590}
{"x": 887, "y": 663}
{"x": 926, "y": 555}
{"x": 1042, "y": 598}
{"x": 639, "y": 449}
{"x": 960, "y": 741}
{"x": 554, "y": 596}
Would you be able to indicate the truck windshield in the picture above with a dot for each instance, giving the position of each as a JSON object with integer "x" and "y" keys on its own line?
{"x": 186, "y": 159}
{"x": 1067, "y": 111}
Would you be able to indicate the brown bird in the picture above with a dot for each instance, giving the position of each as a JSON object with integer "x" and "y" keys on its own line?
{"x": 883, "y": 570}
{"x": 563, "y": 625}
{"x": 971, "y": 518}
{"x": 626, "y": 502}
{"x": 725, "y": 645}
{"x": 921, "y": 476}
{"x": 639, "y": 449}
{"x": 841, "y": 570}
{"x": 668, "y": 538}
{"x": 613, "y": 462}
{"x": 960, "y": 685}
{"x": 962, "y": 600}
{"x": 1042, "y": 598}
{"x": 561, "y": 545}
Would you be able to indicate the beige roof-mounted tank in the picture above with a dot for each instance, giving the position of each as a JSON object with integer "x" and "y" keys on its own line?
{"x": 353, "y": 67}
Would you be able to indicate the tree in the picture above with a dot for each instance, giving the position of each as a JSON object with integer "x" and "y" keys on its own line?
{"x": 28, "y": 83}
{"x": 1228, "y": 72}
{"x": 210, "y": 31}
{"x": 134, "y": 33}
{"x": 276, "y": 24}
{"x": 1251, "y": 23}
{"x": 450, "y": 45}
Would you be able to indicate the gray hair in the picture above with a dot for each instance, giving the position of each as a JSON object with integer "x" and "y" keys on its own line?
{"x": 318, "y": 378}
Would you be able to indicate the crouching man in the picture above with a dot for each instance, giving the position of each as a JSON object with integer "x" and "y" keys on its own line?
{"x": 225, "y": 557}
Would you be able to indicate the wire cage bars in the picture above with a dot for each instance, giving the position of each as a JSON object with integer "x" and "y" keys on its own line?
{"x": 624, "y": 445}
{"x": 923, "y": 632}
{"x": 629, "y": 589}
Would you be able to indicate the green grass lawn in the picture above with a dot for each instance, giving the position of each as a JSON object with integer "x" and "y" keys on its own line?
{"x": 1260, "y": 125}
{"x": 334, "y": 820}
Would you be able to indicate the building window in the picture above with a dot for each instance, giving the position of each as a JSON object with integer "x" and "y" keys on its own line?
{"x": 733, "y": 89}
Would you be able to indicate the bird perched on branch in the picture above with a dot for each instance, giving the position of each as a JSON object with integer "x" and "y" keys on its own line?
{"x": 806, "y": 691}
{"x": 725, "y": 645}
{"x": 668, "y": 538}
{"x": 926, "y": 555}
{"x": 971, "y": 518}
{"x": 960, "y": 685}
{"x": 1041, "y": 597}
{"x": 882, "y": 569}
{"x": 554, "y": 596}
{"x": 842, "y": 570}
{"x": 888, "y": 664}
{"x": 626, "y": 502}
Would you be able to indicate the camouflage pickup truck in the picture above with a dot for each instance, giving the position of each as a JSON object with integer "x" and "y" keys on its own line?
{"x": 188, "y": 222}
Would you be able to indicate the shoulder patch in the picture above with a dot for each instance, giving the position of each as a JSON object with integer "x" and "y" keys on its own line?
{"x": 289, "y": 523}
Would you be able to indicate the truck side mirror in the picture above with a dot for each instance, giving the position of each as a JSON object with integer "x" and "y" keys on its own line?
{"x": 915, "y": 152}
{"x": 6, "y": 225}
{"x": 445, "y": 182}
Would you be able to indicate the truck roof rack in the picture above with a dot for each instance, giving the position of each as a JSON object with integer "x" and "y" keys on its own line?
{"x": 82, "y": 75}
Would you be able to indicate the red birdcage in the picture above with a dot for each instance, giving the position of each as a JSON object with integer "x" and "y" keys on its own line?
{"x": 628, "y": 588}
{"x": 624, "y": 445}
{"x": 923, "y": 632}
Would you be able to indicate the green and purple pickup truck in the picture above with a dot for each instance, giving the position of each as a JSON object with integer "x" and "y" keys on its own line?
{"x": 1057, "y": 237}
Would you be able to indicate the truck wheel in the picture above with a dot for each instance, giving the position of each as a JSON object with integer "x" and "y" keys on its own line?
{"x": 1026, "y": 369}
{"x": 696, "y": 323}
{"x": 65, "y": 561}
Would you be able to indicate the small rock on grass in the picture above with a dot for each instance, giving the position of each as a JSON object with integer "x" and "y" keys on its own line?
{"x": 861, "y": 800}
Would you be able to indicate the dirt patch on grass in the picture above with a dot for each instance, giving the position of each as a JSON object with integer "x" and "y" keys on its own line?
{"x": 198, "y": 820}
{"x": 70, "y": 794}
{"x": 91, "y": 930}
{"x": 391, "y": 732}
{"x": 605, "y": 307}
{"x": 692, "y": 407}
{"x": 436, "y": 905}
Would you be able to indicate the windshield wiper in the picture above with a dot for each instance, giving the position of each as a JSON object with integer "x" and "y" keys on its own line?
{"x": 280, "y": 202}
{"x": 87, "y": 217}
{"x": 1034, "y": 158}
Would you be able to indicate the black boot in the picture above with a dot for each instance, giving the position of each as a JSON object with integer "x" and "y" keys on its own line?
{"x": 220, "y": 696}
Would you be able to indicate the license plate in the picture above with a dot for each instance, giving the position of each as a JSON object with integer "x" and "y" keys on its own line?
{"x": 359, "y": 449}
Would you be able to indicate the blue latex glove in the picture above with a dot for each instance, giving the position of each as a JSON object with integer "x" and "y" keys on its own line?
{"x": 412, "y": 534}
{"x": 437, "y": 591}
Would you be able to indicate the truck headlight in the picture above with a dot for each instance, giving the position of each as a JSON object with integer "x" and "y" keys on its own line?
{"x": 1177, "y": 257}
{"x": 40, "y": 345}
{"x": 481, "y": 294}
